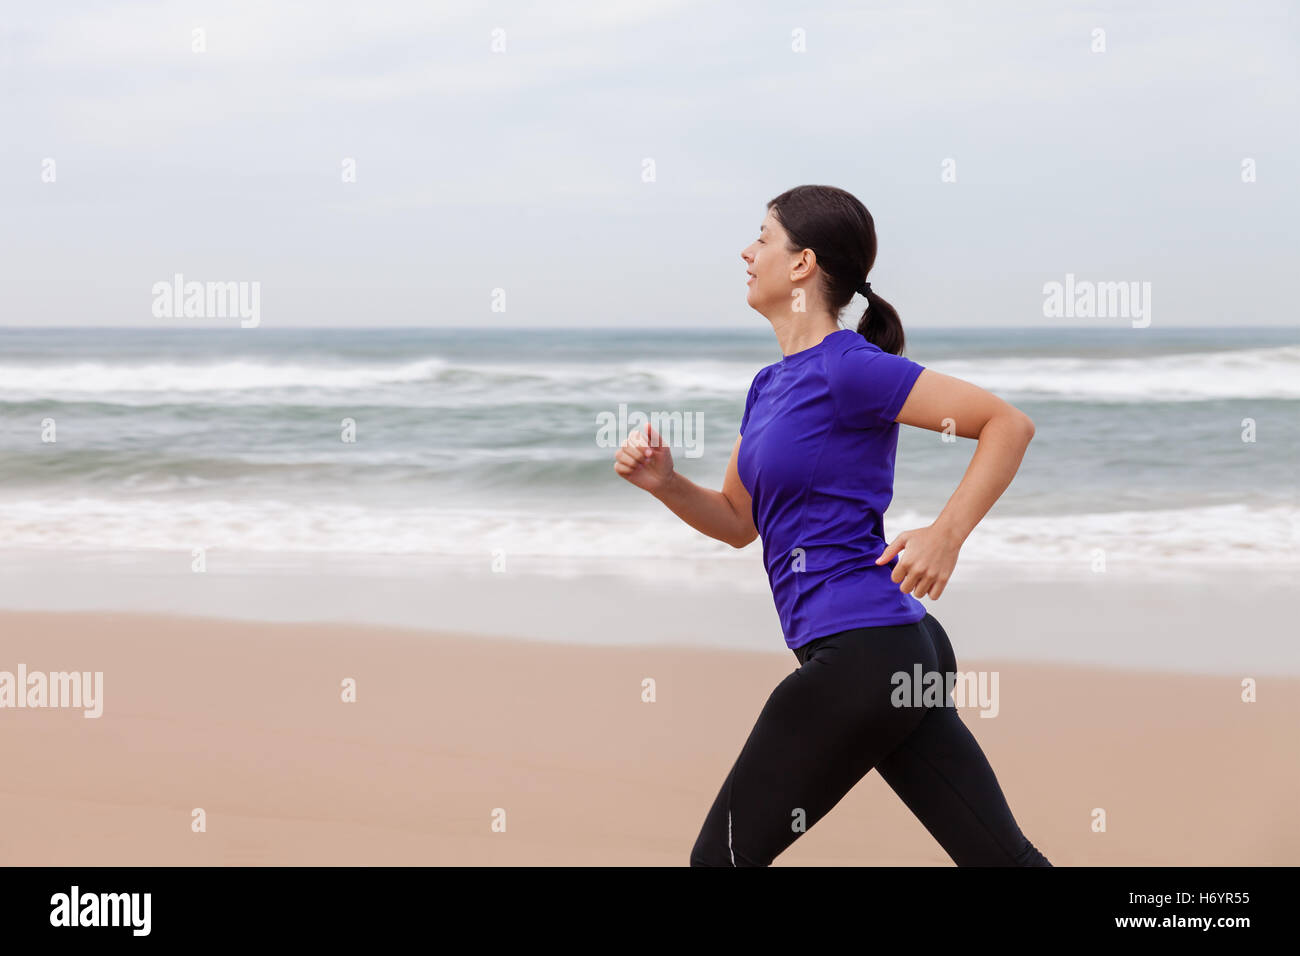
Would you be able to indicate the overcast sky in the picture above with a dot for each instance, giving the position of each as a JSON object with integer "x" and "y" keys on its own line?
{"x": 523, "y": 169}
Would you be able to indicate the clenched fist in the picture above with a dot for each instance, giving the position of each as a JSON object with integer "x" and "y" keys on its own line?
{"x": 643, "y": 461}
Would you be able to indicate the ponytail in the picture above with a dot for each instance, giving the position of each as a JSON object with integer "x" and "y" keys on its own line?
{"x": 881, "y": 325}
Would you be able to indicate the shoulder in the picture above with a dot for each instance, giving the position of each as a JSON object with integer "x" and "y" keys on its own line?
{"x": 847, "y": 342}
{"x": 756, "y": 386}
{"x": 760, "y": 377}
{"x": 868, "y": 384}
{"x": 850, "y": 354}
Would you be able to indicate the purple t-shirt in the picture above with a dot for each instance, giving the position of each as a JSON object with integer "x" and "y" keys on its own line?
{"x": 817, "y": 457}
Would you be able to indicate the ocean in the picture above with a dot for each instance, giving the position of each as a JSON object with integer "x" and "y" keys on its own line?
{"x": 475, "y": 442}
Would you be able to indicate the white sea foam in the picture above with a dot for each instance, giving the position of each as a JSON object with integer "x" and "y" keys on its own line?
{"x": 1235, "y": 534}
{"x": 1181, "y": 377}
{"x": 82, "y": 378}
{"x": 1267, "y": 373}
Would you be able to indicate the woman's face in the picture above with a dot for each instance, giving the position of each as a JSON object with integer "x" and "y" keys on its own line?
{"x": 767, "y": 262}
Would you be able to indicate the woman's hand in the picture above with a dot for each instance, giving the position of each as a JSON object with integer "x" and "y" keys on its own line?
{"x": 643, "y": 461}
{"x": 927, "y": 562}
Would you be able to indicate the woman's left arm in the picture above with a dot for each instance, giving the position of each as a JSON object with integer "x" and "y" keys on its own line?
{"x": 943, "y": 403}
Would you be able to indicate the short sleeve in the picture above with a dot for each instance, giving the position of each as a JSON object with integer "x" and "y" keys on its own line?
{"x": 754, "y": 388}
{"x": 870, "y": 385}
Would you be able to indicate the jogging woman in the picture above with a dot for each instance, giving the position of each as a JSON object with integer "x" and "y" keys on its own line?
{"x": 812, "y": 473}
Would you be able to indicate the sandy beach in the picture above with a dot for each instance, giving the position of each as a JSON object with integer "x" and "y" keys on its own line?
{"x": 245, "y": 720}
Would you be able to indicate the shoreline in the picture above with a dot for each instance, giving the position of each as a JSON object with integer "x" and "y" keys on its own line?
{"x": 1186, "y": 620}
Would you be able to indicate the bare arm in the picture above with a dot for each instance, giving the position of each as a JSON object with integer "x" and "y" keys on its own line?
{"x": 1003, "y": 431}
{"x": 726, "y": 515}
{"x": 942, "y": 403}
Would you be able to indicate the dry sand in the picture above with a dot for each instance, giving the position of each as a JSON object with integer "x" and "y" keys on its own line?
{"x": 245, "y": 721}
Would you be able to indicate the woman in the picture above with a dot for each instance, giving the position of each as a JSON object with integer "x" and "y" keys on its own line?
{"x": 812, "y": 473}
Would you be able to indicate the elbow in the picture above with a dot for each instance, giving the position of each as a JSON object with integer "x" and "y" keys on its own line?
{"x": 743, "y": 542}
{"x": 1012, "y": 423}
{"x": 1023, "y": 423}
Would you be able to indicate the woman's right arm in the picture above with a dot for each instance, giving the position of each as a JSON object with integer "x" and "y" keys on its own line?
{"x": 726, "y": 515}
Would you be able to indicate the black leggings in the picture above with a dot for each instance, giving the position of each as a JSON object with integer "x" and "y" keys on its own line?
{"x": 829, "y": 723}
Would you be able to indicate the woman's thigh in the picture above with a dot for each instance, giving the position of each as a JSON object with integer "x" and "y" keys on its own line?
{"x": 942, "y": 775}
{"x": 820, "y": 731}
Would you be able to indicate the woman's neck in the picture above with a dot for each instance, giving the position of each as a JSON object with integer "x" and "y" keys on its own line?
{"x": 796, "y": 332}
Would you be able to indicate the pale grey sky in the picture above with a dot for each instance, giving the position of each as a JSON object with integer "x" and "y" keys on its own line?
{"x": 522, "y": 169}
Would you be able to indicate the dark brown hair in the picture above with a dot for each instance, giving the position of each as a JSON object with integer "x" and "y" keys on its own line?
{"x": 841, "y": 233}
